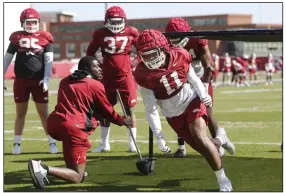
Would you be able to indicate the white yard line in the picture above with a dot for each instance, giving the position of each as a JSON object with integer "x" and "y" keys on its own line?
{"x": 147, "y": 141}
{"x": 250, "y": 91}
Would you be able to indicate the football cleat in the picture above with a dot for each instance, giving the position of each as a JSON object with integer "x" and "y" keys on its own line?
{"x": 228, "y": 145}
{"x": 132, "y": 148}
{"x": 38, "y": 174}
{"x": 102, "y": 148}
{"x": 181, "y": 153}
{"x": 16, "y": 149}
{"x": 225, "y": 185}
{"x": 53, "y": 148}
{"x": 221, "y": 151}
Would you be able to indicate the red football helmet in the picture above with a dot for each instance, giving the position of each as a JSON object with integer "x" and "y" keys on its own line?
{"x": 152, "y": 46}
{"x": 178, "y": 24}
{"x": 115, "y": 19}
{"x": 30, "y": 20}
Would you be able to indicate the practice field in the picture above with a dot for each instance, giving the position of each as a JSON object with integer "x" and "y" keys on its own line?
{"x": 252, "y": 117}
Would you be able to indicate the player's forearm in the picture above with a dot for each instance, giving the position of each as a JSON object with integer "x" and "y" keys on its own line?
{"x": 197, "y": 84}
{"x": 208, "y": 65}
{"x": 7, "y": 61}
{"x": 48, "y": 59}
{"x": 154, "y": 122}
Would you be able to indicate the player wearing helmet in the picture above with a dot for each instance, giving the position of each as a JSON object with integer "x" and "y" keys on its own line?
{"x": 115, "y": 40}
{"x": 269, "y": 69}
{"x": 203, "y": 66}
{"x": 167, "y": 78}
{"x": 32, "y": 69}
{"x": 227, "y": 69}
{"x": 252, "y": 68}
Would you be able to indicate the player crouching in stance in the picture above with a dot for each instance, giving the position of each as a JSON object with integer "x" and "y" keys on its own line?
{"x": 166, "y": 78}
{"x": 81, "y": 103}
{"x": 203, "y": 66}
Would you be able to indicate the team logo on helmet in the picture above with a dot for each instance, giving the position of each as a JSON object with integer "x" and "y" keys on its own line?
{"x": 115, "y": 19}
{"x": 152, "y": 46}
{"x": 30, "y": 20}
{"x": 178, "y": 24}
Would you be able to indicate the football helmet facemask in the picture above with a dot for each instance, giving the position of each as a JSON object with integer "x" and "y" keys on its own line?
{"x": 152, "y": 46}
{"x": 115, "y": 19}
{"x": 178, "y": 24}
{"x": 30, "y": 20}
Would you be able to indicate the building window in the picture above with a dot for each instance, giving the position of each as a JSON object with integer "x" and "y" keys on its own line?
{"x": 70, "y": 50}
{"x": 56, "y": 50}
{"x": 83, "y": 48}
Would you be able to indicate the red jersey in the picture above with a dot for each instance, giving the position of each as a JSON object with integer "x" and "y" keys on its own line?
{"x": 194, "y": 47}
{"x": 165, "y": 81}
{"x": 115, "y": 48}
{"x": 83, "y": 103}
{"x": 30, "y": 49}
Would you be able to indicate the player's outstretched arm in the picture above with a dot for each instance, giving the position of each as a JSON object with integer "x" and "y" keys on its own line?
{"x": 207, "y": 63}
{"x": 153, "y": 117}
{"x": 198, "y": 85}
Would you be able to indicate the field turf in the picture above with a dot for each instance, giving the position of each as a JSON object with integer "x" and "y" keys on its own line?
{"x": 252, "y": 117}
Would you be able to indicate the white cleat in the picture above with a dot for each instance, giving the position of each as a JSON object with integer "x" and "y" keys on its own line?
{"x": 228, "y": 145}
{"x": 221, "y": 151}
{"x": 38, "y": 174}
{"x": 101, "y": 148}
{"x": 53, "y": 148}
{"x": 132, "y": 148}
{"x": 225, "y": 185}
{"x": 16, "y": 149}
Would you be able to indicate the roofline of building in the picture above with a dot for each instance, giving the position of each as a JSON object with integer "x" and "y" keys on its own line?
{"x": 59, "y": 12}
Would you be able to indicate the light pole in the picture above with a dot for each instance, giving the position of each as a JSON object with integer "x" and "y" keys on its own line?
{"x": 105, "y": 7}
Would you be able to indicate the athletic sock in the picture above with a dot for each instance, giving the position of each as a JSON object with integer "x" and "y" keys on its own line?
{"x": 104, "y": 133}
{"x": 18, "y": 139}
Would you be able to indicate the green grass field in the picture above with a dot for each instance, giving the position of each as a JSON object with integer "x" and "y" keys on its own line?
{"x": 252, "y": 117}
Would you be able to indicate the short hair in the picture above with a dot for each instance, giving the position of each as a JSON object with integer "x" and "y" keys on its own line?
{"x": 85, "y": 63}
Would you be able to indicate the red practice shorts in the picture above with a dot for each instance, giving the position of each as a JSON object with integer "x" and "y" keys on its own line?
{"x": 227, "y": 69}
{"x": 74, "y": 140}
{"x": 127, "y": 88}
{"x": 252, "y": 70}
{"x": 23, "y": 87}
{"x": 215, "y": 73}
{"x": 180, "y": 124}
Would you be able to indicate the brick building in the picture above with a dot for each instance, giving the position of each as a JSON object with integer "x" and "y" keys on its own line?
{"x": 72, "y": 38}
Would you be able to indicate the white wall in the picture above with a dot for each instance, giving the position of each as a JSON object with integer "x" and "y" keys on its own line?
{"x": 12, "y": 12}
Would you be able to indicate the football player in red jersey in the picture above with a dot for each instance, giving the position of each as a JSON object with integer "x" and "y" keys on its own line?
{"x": 203, "y": 66}
{"x": 115, "y": 40}
{"x": 32, "y": 69}
{"x": 167, "y": 78}
{"x": 252, "y": 68}
{"x": 269, "y": 69}
{"x": 81, "y": 103}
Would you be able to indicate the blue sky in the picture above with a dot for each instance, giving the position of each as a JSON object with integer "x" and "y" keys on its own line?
{"x": 262, "y": 12}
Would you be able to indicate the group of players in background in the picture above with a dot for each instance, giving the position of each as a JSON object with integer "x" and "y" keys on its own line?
{"x": 235, "y": 70}
{"x": 174, "y": 74}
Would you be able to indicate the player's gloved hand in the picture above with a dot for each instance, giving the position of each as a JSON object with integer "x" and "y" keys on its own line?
{"x": 45, "y": 83}
{"x": 163, "y": 147}
{"x": 207, "y": 101}
{"x": 5, "y": 88}
{"x": 127, "y": 121}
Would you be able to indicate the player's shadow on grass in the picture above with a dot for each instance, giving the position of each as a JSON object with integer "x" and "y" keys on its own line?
{"x": 119, "y": 174}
